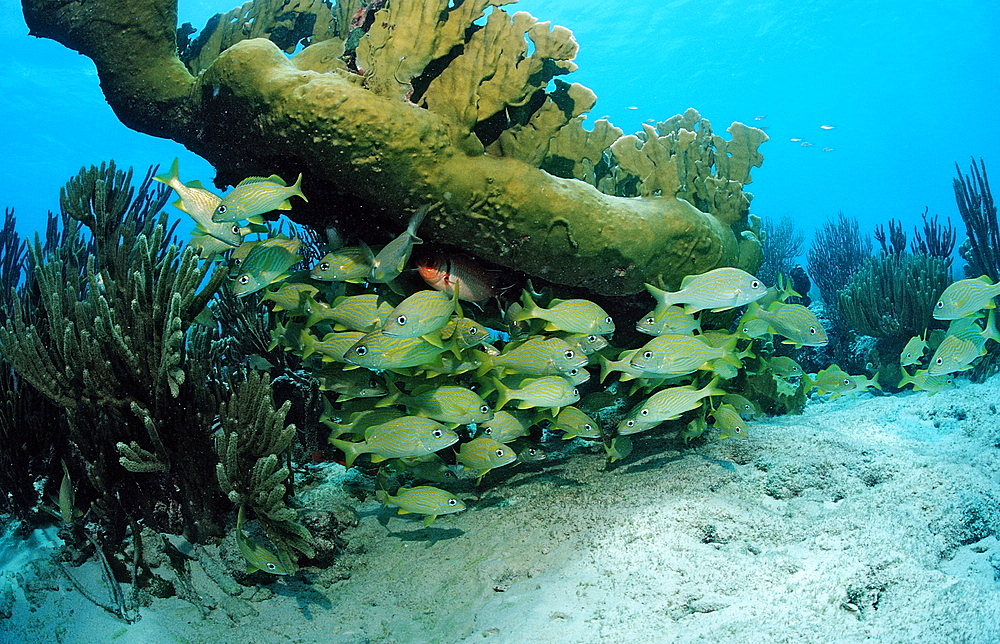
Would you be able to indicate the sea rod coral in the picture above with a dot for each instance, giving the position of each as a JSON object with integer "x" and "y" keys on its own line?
{"x": 394, "y": 106}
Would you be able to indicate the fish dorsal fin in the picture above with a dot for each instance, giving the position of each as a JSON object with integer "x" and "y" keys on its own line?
{"x": 687, "y": 280}
{"x": 194, "y": 183}
{"x": 986, "y": 279}
{"x": 273, "y": 179}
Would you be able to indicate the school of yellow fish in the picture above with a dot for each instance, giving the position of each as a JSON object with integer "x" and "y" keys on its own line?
{"x": 427, "y": 394}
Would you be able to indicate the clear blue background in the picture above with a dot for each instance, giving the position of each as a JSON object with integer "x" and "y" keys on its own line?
{"x": 911, "y": 88}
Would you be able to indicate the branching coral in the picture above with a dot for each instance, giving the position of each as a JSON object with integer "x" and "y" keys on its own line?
{"x": 253, "y": 439}
{"x": 781, "y": 245}
{"x": 102, "y": 328}
{"x": 979, "y": 212}
{"x": 418, "y": 102}
{"x": 837, "y": 251}
{"x": 893, "y": 296}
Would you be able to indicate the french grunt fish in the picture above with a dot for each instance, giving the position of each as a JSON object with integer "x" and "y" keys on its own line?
{"x": 258, "y": 557}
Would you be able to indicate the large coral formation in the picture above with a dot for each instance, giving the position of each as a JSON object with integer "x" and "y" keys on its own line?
{"x": 419, "y": 102}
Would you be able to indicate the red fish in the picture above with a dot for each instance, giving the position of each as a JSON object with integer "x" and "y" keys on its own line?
{"x": 445, "y": 272}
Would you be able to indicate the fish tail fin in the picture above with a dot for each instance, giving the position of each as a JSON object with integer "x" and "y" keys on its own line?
{"x": 415, "y": 220}
{"x": 392, "y": 397}
{"x": 503, "y": 394}
{"x": 663, "y": 299}
{"x": 991, "y": 332}
{"x": 528, "y": 308}
{"x": 729, "y": 352}
{"x": 297, "y": 189}
{"x": 170, "y": 176}
{"x": 485, "y": 362}
{"x": 712, "y": 389}
{"x": 350, "y": 450}
{"x": 308, "y": 343}
{"x": 605, "y": 367}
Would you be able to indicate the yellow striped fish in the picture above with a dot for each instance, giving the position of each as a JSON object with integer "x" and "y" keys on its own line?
{"x": 391, "y": 260}
{"x": 465, "y": 332}
{"x": 484, "y": 454}
{"x": 719, "y": 290}
{"x": 796, "y": 323}
{"x": 670, "y": 403}
{"x": 676, "y": 354}
{"x": 729, "y": 422}
{"x": 536, "y": 356}
{"x": 923, "y": 381}
{"x": 547, "y": 391}
{"x": 953, "y": 354}
{"x": 575, "y": 316}
{"x": 746, "y": 408}
{"x": 585, "y": 343}
{"x": 258, "y": 557}
{"x": 503, "y": 427}
{"x": 447, "y": 403}
{"x": 669, "y": 319}
{"x": 573, "y": 422}
{"x": 833, "y": 379}
{"x": 965, "y": 297}
{"x": 403, "y": 437}
{"x": 255, "y": 196}
{"x": 913, "y": 351}
{"x": 333, "y": 346}
{"x": 359, "y": 422}
{"x": 420, "y": 315}
{"x": 264, "y": 265}
{"x": 380, "y": 351}
{"x": 343, "y": 265}
{"x": 353, "y": 312}
{"x": 200, "y": 203}
{"x": 422, "y": 499}
{"x": 784, "y": 367}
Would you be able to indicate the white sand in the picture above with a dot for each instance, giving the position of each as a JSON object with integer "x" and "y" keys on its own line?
{"x": 863, "y": 520}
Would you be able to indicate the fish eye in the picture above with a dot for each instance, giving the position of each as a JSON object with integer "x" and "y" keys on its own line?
{"x": 738, "y": 429}
{"x": 575, "y": 392}
{"x": 630, "y": 422}
{"x": 588, "y": 426}
{"x": 755, "y": 284}
{"x": 608, "y": 319}
{"x": 812, "y": 330}
{"x": 436, "y": 433}
{"x": 401, "y": 320}
{"x": 847, "y": 381}
{"x": 644, "y": 412}
{"x": 373, "y": 383}
{"x": 452, "y": 502}
{"x": 592, "y": 338}
{"x": 499, "y": 451}
{"x": 939, "y": 361}
{"x": 488, "y": 431}
{"x": 221, "y": 209}
{"x": 940, "y": 304}
{"x": 237, "y": 261}
{"x": 244, "y": 279}
{"x": 236, "y": 228}
{"x": 532, "y": 451}
{"x": 324, "y": 266}
{"x": 647, "y": 354}
{"x": 569, "y": 354}
{"x": 271, "y": 566}
{"x": 473, "y": 331}
{"x": 484, "y": 409}
{"x": 650, "y": 320}
{"x": 362, "y": 350}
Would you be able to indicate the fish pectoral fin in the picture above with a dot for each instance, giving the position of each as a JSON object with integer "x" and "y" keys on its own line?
{"x": 251, "y": 569}
{"x": 402, "y": 511}
{"x": 429, "y": 519}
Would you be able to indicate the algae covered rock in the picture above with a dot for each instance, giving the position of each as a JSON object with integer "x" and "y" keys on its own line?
{"x": 396, "y": 105}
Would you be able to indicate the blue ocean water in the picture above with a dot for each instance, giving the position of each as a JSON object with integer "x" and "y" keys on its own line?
{"x": 910, "y": 88}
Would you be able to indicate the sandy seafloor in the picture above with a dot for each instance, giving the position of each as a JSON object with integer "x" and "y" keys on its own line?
{"x": 867, "y": 519}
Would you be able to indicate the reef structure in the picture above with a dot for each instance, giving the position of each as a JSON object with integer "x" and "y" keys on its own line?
{"x": 391, "y": 106}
